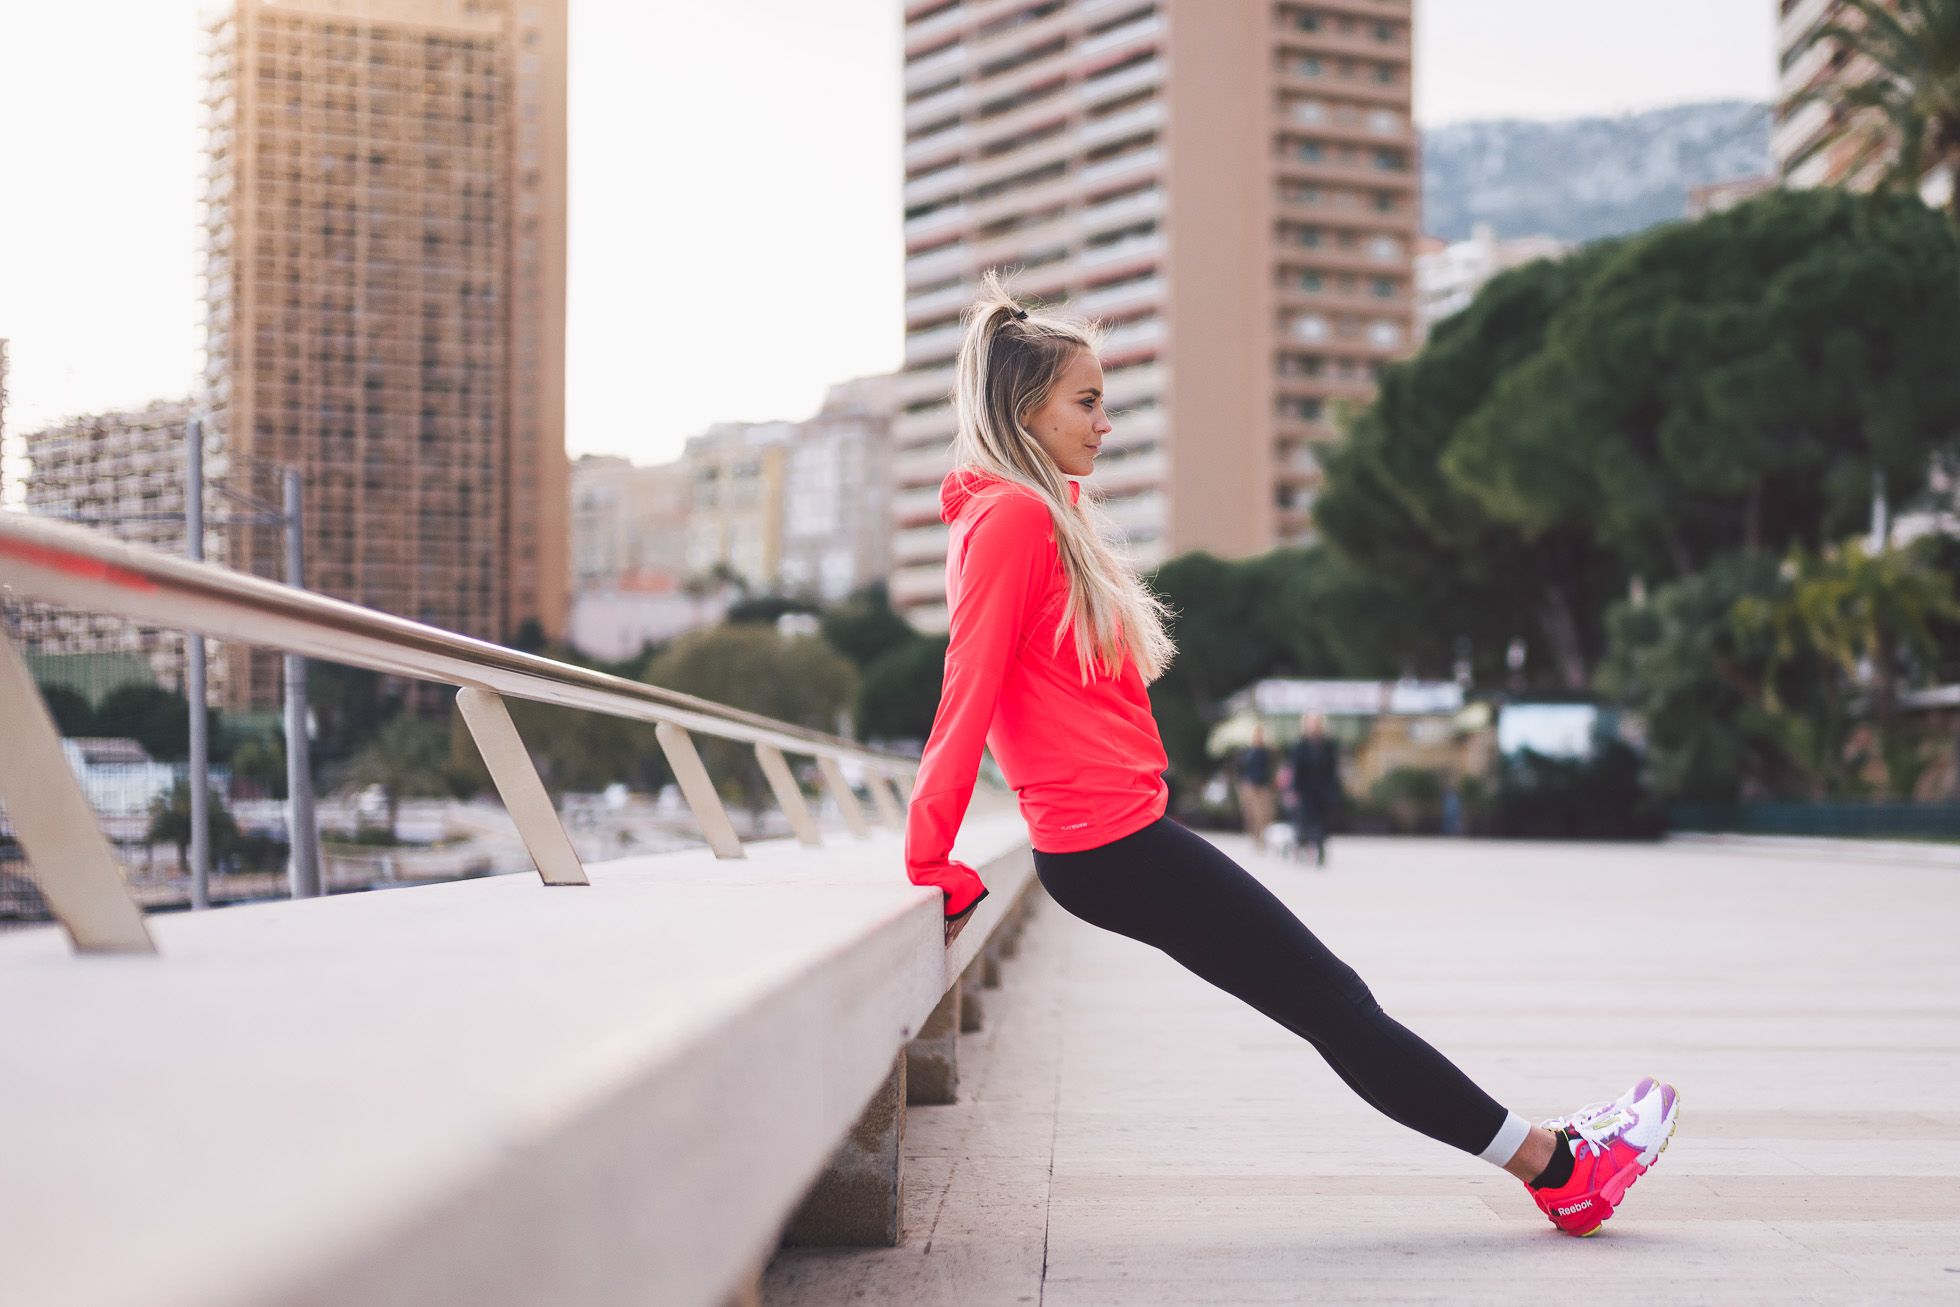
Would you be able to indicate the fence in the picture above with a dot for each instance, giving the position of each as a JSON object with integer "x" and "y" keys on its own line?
{"x": 74, "y": 867}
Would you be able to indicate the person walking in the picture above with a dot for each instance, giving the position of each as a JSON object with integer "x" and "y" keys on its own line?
{"x": 1258, "y": 800}
{"x": 1313, "y": 768}
{"x": 1053, "y": 639}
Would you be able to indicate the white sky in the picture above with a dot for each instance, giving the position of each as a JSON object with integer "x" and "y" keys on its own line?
{"x": 734, "y": 207}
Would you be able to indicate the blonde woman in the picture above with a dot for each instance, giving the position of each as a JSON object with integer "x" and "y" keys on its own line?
{"x": 1053, "y": 641}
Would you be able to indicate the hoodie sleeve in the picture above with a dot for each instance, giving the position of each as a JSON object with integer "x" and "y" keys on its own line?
{"x": 1005, "y": 558}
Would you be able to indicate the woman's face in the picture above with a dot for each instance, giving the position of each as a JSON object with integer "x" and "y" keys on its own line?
{"x": 1071, "y": 425}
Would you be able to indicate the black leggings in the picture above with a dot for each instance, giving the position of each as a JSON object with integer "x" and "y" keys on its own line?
{"x": 1173, "y": 889}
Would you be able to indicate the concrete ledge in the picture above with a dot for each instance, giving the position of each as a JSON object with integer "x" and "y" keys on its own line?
{"x": 485, "y": 1092}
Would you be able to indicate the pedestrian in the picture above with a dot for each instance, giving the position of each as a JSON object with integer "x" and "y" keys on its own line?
{"x": 1053, "y": 639}
{"x": 1258, "y": 800}
{"x": 1313, "y": 767}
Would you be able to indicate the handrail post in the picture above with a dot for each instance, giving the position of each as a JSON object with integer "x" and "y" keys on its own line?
{"x": 842, "y": 795}
{"x": 70, "y": 858}
{"x": 890, "y": 812}
{"x": 699, "y": 791}
{"x": 517, "y": 783}
{"x": 788, "y": 796}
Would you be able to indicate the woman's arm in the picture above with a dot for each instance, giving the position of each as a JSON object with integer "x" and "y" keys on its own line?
{"x": 1005, "y": 558}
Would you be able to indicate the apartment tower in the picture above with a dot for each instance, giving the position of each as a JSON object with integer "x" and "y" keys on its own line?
{"x": 385, "y": 296}
{"x": 1230, "y": 185}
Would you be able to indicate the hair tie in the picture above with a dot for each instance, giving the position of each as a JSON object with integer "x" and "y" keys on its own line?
{"x": 1022, "y": 314}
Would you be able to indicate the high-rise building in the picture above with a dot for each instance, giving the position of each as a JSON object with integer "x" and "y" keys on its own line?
{"x": 385, "y": 295}
{"x": 122, "y": 474}
{"x": 629, "y": 524}
{"x": 1231, "y": 185}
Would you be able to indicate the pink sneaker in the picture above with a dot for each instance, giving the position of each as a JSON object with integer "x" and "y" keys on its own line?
{"x": 1613, "y": 1144}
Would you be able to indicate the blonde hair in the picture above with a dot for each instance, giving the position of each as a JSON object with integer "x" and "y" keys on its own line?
{"x": 1009, "y": 364}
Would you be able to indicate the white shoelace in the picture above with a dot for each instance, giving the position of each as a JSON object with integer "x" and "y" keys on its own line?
{"x": 1592, "y": 1125}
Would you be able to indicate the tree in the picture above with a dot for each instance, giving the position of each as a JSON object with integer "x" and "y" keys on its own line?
{"x": 155, "y": 718}
{"x": 865, "y": 627}
{"x": 408, "y": 758}
{"x": 899, "y": 694}
{"x": 170, "y": 820}
{"x": 70, "y": 709}
{"x": 1699, "y": 683}
{"x": 1400, "y": 510}
{"x": 1905, "y": 107}
{"x": 1732, "y": 383}
{"x": 1867, "y": 619}
{"x": 797, "y": 679}
{"x": 261, "y": 763}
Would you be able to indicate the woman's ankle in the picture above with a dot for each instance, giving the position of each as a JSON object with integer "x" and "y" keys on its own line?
{"x": 1533, "y": 1155}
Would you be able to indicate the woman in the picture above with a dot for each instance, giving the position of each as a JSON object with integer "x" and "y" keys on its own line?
{"x": 1053, "y": 640}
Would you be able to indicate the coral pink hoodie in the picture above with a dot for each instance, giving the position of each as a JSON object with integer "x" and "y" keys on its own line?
{"x": 1086, "y": 760}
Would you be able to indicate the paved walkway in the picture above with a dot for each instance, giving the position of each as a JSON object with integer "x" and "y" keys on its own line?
{"x": 1129, "y": 1135}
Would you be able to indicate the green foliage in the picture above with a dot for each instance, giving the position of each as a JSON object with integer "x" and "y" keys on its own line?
{"x": 798, "y": 679}
{"x": 899, "y": 695}
{"x": 1696, "y": 680}
{"x": 865, "y": 627}
{"x": 170, "y": 821}
{"x": 1728, "y": 384}
{"x": 261, "y": 762}
{"x": 1903, "y": 107}
{"x": 1576, "y": 799}
{"x": 766, "y": 609}
{"x": 73, "y": 716}
{"x": 407, "y": 759}
{"x": 1433, "y": 552}
{"x": 157, "y": 719}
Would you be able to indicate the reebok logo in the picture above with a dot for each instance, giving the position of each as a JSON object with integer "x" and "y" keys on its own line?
{"x": 1075, "y": 825}
{"x": 1576, "y": 1207}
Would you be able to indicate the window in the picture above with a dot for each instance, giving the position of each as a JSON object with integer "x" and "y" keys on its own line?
{"x": 1385, "y": 334}
{"x": 1310, "y": 326}
{"x": 1384, "y": 288}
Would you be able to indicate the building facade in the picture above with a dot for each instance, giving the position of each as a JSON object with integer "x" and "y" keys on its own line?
{"x": 1230, "y": 185}
{"x": 837, "y": 493}
{"x": 736, "y": 473}
{"x": 1450, "y": 273}
{"x": 123, "y": 474}
{"x": 629, "y": 523}
{"x": 384, "y": 217}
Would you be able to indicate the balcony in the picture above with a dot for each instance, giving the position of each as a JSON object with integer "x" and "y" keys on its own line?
{"x": 921, "y": 33}
{"x": 919, "y": 544}
{"x": 938, "y": 343}
{"x": 1136, "y": 162}
{"x": 1118, "y": 298}
{"x": 1122, "y": 210}
{"x": 911, "y": 429}
{"x": 924, "y": 72}
{"x": 1108, "y": 86}
{"x": 1146, "y": 28}
{"x": 935, "y": 184}
{"x": 1131, "y": 247}
{"x": 943, "y": 219}
{"x": 946, "y": 140}
{"x": 937, "y": 301}
{"x": 933, "y": 264}
{"x": 1119, "y": 125}
{"x": 933, "y": 107}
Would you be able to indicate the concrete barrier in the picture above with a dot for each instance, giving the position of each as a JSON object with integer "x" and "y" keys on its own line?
{"x": 488, "y": 1092}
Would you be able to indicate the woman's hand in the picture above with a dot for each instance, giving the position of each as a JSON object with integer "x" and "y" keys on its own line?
{"x": 954, "y": 925}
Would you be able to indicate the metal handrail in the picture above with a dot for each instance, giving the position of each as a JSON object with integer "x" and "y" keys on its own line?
{"x": 69, "y": 565}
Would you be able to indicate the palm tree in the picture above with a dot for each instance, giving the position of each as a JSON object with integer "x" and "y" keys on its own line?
{"x": 1905, "y": 104}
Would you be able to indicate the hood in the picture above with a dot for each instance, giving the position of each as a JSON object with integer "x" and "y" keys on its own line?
{"x": 961, "y": 484}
